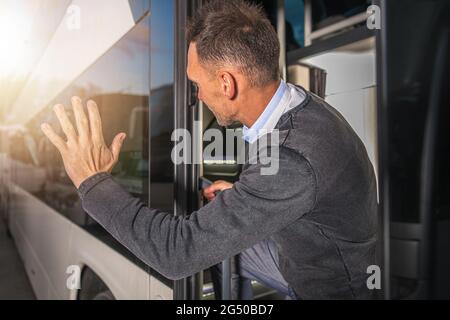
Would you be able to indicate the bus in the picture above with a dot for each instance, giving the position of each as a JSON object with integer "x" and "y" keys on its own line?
{"x": 130, "y": 57}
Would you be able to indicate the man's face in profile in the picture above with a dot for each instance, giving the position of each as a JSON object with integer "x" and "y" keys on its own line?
{"x": 208, "y": 88}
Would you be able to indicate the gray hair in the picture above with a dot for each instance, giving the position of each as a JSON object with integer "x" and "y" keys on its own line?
{"x": 237, "y": 33}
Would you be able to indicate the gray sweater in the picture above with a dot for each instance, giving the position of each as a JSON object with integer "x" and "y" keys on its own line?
{"x": 320, "y": 209}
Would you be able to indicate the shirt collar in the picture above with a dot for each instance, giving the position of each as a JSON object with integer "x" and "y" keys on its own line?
{"x": 251, "y": 134}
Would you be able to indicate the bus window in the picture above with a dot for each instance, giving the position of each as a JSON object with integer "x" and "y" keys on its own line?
{"x": 119, "y": 83}
{"x": 294, "y": 24}
{"x": 20, "y": 152}
{"x": 327, "y": 12}
{"x": 162, "y": 105}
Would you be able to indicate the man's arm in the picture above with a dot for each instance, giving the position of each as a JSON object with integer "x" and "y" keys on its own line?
{"x": 256, "y": 207}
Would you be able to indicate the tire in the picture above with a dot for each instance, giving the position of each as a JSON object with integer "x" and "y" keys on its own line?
{"x": 105, "y": 295}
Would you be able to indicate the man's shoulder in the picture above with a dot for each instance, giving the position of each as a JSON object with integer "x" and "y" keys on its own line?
{"x": 313, "y": 121}
{"x": 305, "y": 106}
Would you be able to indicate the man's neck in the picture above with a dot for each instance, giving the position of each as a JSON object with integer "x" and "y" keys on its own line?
{"x": 256, "y": 102}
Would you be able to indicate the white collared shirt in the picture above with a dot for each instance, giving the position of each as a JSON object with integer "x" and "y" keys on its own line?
{"x": 285, "y": 98}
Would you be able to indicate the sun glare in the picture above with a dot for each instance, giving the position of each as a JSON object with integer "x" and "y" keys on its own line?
{"x": 15, "y": 30}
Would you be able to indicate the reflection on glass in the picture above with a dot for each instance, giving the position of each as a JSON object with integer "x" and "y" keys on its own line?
{"x": 294, "y": 20}
{"x": 119, "y": 83}
{"x": 162, "y": 105}
{"x": 295, "y": 24}
{"x": 327, "y": 12}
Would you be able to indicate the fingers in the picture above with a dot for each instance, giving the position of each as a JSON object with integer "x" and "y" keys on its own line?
{"x": 81, "y": 119}
{"x": 95, "y": 123}
{"x": 53, "y": 137}
{"x": 66, "y": 125}
{"x": 85, "y": 125}
{"x": 116, "y": 145}
{"x": 217, "y": 186}
{"x": 209, "y": 196}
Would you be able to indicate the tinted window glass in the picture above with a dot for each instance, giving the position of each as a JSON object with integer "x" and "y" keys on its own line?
{"x": 162, "y": 105}
{"x": 119, "y": 82}
{"x": 295, "y": 23}
{"x": 327, "y": 12}
{"x": 294, "y": 16}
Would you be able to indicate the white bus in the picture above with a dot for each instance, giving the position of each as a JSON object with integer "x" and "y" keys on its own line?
{"x": 130, "y": 57}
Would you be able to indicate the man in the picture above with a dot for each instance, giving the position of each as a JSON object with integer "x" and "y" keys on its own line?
{"x": 308, "y": 230}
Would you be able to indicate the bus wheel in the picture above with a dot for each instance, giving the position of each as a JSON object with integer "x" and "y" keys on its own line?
{"x": 105, "y": 295}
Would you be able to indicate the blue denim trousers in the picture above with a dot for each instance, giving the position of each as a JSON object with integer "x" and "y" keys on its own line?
{"x": 259, "y": 263}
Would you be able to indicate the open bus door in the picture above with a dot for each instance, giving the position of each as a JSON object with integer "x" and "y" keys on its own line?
{"x": 186, "y": 109}
{"x": 196, "y": 118}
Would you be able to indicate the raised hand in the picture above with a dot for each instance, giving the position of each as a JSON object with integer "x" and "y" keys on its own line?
{"x": 84, "y": 154}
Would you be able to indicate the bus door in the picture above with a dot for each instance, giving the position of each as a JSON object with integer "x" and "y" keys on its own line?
{"x": 221, "y": 164}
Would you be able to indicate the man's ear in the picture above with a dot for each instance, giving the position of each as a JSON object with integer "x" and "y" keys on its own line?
{"x": 228, "y": 84}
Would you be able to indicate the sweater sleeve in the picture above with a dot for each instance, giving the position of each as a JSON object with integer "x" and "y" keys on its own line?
{"x": 257, "y": 206}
